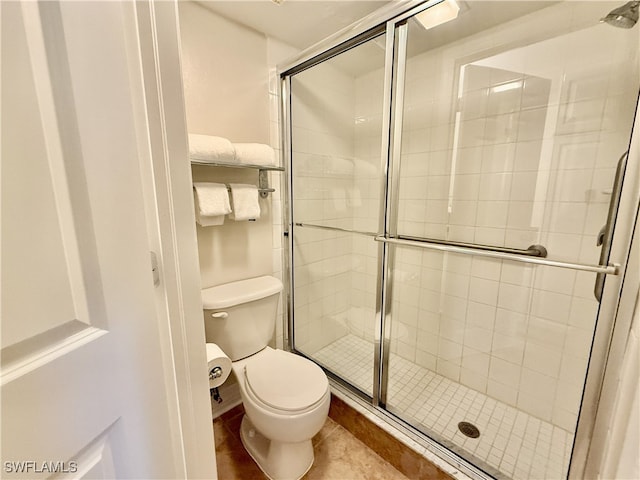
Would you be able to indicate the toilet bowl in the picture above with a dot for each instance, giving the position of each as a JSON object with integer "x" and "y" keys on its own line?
{"x": 286, "y": 397}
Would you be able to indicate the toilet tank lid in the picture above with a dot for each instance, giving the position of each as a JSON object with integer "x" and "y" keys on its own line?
{"x": 243, "y": 291}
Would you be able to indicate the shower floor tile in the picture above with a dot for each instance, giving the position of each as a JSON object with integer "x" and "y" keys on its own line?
{"x": 511, "y": 442}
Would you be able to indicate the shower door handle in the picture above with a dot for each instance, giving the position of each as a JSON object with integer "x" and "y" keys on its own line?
{"x": 605, "y": 236}
{"x": 601, "y": 234}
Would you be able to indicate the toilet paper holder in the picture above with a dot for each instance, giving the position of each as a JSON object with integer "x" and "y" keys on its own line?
{"x": 215, "y": 372}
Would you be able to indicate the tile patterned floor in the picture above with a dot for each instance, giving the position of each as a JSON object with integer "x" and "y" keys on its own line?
{"x": 512, "y": 444}
{"x": 338, "y": 454}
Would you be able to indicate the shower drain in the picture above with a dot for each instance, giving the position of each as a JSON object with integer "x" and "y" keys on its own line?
{"x": 469, "y": 429}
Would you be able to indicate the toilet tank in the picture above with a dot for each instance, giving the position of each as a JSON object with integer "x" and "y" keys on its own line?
{"x": 240, "y": 316}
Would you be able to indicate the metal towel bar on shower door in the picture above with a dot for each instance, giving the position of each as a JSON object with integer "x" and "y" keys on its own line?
{"x": 535, "y": 254}
{"x": 532, "y": 251}
{"x": 494, "y": 253}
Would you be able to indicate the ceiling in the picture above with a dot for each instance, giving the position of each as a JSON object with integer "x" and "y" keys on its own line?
{"x": 300, "y": 23}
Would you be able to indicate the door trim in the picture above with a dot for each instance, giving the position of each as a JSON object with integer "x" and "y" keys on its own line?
{"x": 166, "y": 175}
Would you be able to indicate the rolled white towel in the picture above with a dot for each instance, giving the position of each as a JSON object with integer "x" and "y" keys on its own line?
{"x": 212, "y": 203}
{"x": 245, "y": 202}
{"x": 255, "y": 153}
{"x": 208, "y": 148}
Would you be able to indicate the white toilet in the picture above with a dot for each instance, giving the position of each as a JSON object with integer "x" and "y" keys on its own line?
{"x": 286, "y": 397}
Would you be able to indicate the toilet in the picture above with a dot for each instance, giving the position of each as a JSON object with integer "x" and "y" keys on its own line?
{"x": 285, "y": 396}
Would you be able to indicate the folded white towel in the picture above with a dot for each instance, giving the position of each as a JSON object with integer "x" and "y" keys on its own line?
{"x": 204, "y": 220}
{"x": 212, "y": 203}
{"x": 245, "y": 202}
{"x": 255, "y": 153}
{"x": 208, "y": 148}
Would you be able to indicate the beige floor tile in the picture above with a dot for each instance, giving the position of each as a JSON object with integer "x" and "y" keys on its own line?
{"x": 338, "y": 455}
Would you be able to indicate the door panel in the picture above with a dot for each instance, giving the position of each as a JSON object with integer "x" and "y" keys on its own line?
{"x": 82, "y": 396}
{"x": 39, "y": 240}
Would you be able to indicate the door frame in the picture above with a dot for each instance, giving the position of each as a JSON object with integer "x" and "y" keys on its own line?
{"x": 166, "y": 174}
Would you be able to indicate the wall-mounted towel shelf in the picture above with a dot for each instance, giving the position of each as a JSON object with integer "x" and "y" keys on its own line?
{"x": 263, "y": 176}
{"x": 196, "y": 161}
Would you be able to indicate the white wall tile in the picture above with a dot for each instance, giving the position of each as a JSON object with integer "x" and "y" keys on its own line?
{"x": 542, "y": 359}
{"x": 514, "y": 297}
{"x": 483, "y": 291}
{"x": 504, "y": 372}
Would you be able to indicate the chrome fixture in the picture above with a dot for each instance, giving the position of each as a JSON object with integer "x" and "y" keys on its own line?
{"x": 215, "y": 373}
{"x": 625, "y": 16}
{"x": 605, "y": 236}
{"x": 263, "y": 175}
{"x": 609, "y": 269}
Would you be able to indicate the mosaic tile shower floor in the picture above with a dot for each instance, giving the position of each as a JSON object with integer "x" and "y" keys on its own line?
{"x": 516, "y": 444}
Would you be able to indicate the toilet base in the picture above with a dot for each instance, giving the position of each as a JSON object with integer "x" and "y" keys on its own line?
{"x": 277, "y": 460}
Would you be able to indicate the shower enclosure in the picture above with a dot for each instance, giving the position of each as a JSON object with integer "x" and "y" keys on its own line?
{"x": 455, "y": 174}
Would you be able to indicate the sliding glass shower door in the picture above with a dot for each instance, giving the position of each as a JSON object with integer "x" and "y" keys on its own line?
{"x": 336, "y": 137}
{"x": 510, "y": 140}
{"x": 454, "y": 189}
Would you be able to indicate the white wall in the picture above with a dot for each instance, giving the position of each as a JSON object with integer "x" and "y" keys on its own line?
{"x": 625, "y": 429}
{"x": 231, "y": 90}
{"x": 225, "y": 76}
{"x": 226, "y": 94}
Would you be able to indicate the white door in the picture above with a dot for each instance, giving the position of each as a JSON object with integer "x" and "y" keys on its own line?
{"x": 83, "y": 391}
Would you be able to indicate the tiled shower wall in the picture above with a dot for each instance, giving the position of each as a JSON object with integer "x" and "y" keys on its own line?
{"x": 529, "y": 158}
{"x": 323, "y": 146}
{"x": 369, "y": 91}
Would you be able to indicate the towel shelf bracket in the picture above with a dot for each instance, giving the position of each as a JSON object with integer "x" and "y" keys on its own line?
{"x": 263, "y": 184}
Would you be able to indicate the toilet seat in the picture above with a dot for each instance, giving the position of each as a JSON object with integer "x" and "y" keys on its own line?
{"x": 284, "y": 381}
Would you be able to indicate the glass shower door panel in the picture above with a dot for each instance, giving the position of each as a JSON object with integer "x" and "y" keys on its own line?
{"x": 498, "y": 345}
{"x": 334, "y": 302}
{"x": 512, "y": 134}
{"x": 336, "y": 112}
{"x": 336, "y": 137}
{"x": 514, "y": 118}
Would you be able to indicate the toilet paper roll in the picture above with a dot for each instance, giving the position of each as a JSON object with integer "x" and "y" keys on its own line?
{"x": 219, "y": 365}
